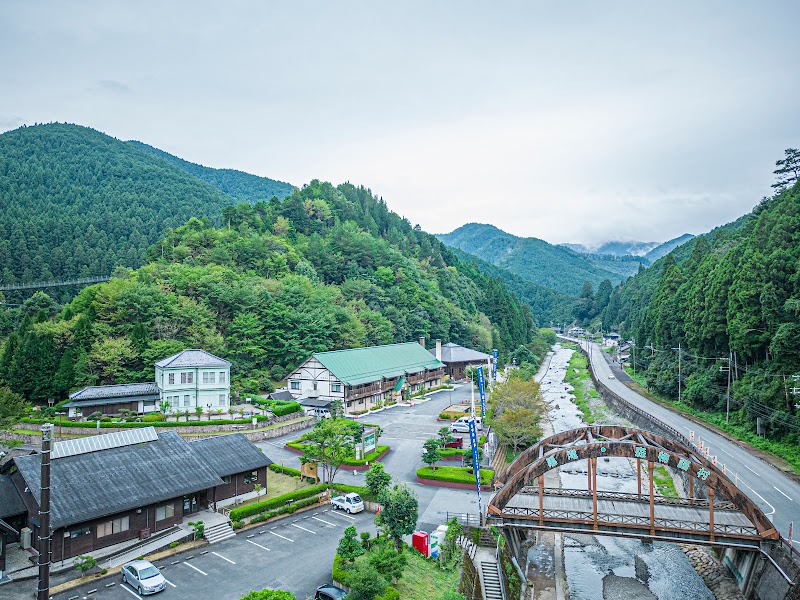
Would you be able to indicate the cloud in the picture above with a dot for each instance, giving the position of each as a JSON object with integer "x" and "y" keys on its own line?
{"x": 112, "y": 86}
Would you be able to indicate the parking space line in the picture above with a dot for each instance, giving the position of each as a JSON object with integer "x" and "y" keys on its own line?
{"x": 130, "y": 591}
{"x": 259, "y": 545}
{"x": 222, "y": 557}
{"x": 336, "y": 514}
{"x": 304, "y": 529}
{"x": 196, "y": 569}
{"x": 280, "y": 536}
{"x": 324, "y": 521}
{"x": 168, "y": 581}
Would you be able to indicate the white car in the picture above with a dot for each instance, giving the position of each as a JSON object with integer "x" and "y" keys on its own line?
{"x": 349, "y": 503}
{"x": 144, "y": 577}
{"x": 462, "y": 425}
{"x": 611, "y": 376}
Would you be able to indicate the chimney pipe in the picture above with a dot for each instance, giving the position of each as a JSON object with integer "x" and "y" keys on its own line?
{"x": 422, "y": 341}
{"x": 45, "y": 535}
{"x": 438, "y": 349}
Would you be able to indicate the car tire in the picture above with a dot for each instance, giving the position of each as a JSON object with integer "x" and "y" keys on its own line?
{"x": 139, "y": 589}
{"x": 347, "y": 510}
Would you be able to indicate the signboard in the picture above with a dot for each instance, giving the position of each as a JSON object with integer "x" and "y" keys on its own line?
{"x": 494, "y": 364}
{"x": 369, "y": 441}
{"x": 476, "y": 464}
{"x": 482, "y": 391}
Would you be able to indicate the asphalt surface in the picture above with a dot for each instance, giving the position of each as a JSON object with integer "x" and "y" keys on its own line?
{"x": 774, "y": 492}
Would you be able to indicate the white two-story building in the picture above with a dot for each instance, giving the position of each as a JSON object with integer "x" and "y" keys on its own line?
{"x": 187, "y": 380}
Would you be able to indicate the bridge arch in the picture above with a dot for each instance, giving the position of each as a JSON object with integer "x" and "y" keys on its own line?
{"x": 592, "y": 442}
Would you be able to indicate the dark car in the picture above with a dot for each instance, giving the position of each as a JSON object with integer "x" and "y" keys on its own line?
{"x": 456, "y": 443}
{"x": 329, "y": 592}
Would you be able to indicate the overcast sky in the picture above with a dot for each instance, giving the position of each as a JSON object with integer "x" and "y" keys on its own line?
{"x": 568, "y": 121}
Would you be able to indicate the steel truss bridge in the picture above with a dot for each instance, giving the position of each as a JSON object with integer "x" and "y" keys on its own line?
{"x": 726, "y": 517}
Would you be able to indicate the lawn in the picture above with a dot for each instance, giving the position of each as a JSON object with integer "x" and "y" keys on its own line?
{"x": 278, "y": 484}
{"x": 423, "y": 579}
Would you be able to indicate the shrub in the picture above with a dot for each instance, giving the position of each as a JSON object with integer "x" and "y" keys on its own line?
{"x": 389, "y": 594}
{"x": 285, "y": 470}
{"x": 84, "y": 563}
{"x": 371, "y": 457}
{"x": 277, "y": 502}
{"x": 338, "y": 573}
{"x": 455, "y": 475}
{"x": 361, "y": 490}
{"x": 152, "y": 417}
{"x": 174, "y": 544}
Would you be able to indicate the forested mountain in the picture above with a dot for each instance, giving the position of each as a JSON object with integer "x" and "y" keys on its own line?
{"x": 667, "y": 247}
{"x": 326, "y": 268}
{"x": 730, "y": 297}
{"x": 237, "y": 184}
{"x": 76, "y": 202}
{"x": 617, "y": 248}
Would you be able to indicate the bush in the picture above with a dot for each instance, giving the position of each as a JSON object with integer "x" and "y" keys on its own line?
{"x": 389, "y": 594}
{"x": 361, "y": 490}
{"x": 285, "y": 470}
{"x": 265, "y": 505}
{"x": 338, "y": 574}
{"x": 455, "y": 475}
{"x": 280, "y": 408}
{"x": 277, "y": 372}
{"x": 369, "y": 458}
{"x": 174, "y": 544}
{"x": 152, "y": 417}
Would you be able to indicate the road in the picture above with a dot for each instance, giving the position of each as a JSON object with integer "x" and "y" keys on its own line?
{"x": 775, "y": 493}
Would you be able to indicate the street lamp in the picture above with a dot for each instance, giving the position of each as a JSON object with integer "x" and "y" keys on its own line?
{"x": 60, "y": 427}
{"x": 208, "y": 406}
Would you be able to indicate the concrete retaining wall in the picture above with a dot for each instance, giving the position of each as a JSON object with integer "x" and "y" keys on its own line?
{"x": 450, "y": 484}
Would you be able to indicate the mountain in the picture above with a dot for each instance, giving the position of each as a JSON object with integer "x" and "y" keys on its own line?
{"x": 729, "y": 297}
{"x": 77, "y": 202}
{"x": 667, "y": 247}
{"x": 616, "y": 248}
{"x": 327, "y": 268}
{"x": 237, "y": 184}
{"x": 532, "y": 259}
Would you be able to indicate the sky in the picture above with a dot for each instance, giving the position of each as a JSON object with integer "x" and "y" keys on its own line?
{"x": 568, "y": 121}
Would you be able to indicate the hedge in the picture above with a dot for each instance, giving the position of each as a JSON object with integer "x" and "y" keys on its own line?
{"x": 238, "y": 514}
{"x": 338, "y": 574}
{"x": 285, "y": 509}
{"x": 133, "y": 425}
{"x": 454, "y": 475}
{"x": 285, "y": 470}
{"x": 361, "y": 490}
{"x": 370, "y": 457}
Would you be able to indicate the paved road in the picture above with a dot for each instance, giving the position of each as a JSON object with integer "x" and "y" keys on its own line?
{"x": 775, "y": 493}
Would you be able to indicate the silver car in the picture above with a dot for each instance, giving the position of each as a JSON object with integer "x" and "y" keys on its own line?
{"x": 143, "y": 576}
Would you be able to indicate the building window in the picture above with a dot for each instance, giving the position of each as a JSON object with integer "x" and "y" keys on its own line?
{"x": 227, "y": 479}
{"x": 295, "y": 385}
{"x": 111, "y": 527}
{"x": 222, "y": 399}
{"x": 209, "y": 377}
{"x": 336, "y": 387}
{"x": 361, "y": 401}
{"x": 186, "y": 401}
{"x": 187, "y": 377}
{"x": 222, "y": 376}
{"x": 171, "y": 378}
{"x": 73, "y": 533}
{"x": 252, "y": 477}
{"x": 166, "y": 511}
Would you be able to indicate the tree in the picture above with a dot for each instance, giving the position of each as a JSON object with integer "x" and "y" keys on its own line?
{"x": 377, "y": 479}
{"x": 164, "y": 405}
{"x": 451, "y": 548}
{"x": 12, "y": 407}
{"x": 388, "y": 562}
{"x": 400, "y": 513}
{"x": 349, "y": 547}
{"x": 431, "y": 455}
{"x": 330, "y": 443}
{"x": 518, "y": 427}
{"x": 445, "y": 436}
{"x": 269, "y": 595}
{"x": 788, "y": 170}
{"x": 198, "y": 410}
{"x": 337, "y": 408}
{"x": 365, "y": 582}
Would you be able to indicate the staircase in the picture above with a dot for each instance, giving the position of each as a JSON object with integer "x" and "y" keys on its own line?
{"x": 491, "y": 581}
{"x": 218, "y": 532}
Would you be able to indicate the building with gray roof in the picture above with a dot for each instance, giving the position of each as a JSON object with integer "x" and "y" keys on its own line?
{"x": 457, "y": 358}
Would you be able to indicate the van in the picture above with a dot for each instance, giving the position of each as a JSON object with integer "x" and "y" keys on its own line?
{"x": 322, "y": 413}
{"x": 462, "y": 425}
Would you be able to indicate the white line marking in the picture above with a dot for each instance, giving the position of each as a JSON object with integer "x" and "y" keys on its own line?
{"x": 335, "y": 513}
{"x": 196, "y": 569}
{"x": 304, "y": 529}
{"x": 760, "y": 496}
{"x": 259, "y": 545}
{"x": 751, "y": 470}
{"x": 780, "y": 492}
{"x": 324, "y": 521}
{"x": 280, "y": 536}
{"x": 169, "y": 582}
{"x": 130, "y": 591}
{"x": 223, "y": 558}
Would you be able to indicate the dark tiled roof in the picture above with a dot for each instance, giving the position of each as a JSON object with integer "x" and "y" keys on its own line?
{"x": 282, "y": 395}
{"x": 107, "y": 401}
{"x": 105, "y": 482}
{"x": 10, "y": 502}
{"x": 192, "y": 358}
{"x": 101, "y": 392}
{"x": 453, "y": 353}
{"x": 315, "y": 402}
{"x": 229, "y": 454}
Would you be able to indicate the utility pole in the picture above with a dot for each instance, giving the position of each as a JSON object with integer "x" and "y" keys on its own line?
{"x": 679, "y": 370}
{"x": 44, "y": 545}
{"x": 728, "y": 400}
{"x": 633, "y": 350}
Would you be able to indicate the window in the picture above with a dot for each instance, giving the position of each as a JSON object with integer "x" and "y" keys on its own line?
{"x": 227, "y": 479}
{"x": 171, "y": 378}
{"x": 315, "y": 385}
{"x": 186, "y": 400}
{"x": 187, "y": 377}
{"x": 115, "y": 526}
{"x": 252, "y": 477}
{"x": 73, "y": 533}
{"x": 295, "y": 385}
{"x": 167, "y": 511}
{"x": 222, "y": 399}
{"x": 222, "y": 376}
{"x": 336, "y": 387}
{"x": 209, "y": 377}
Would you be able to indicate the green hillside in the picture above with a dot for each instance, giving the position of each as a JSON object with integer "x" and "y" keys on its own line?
{"x": 77, "y": 202}
{"x": 732, "y": 295}
{"x": 237, "y": 184}
{"x": 532, "y": 259}
{"x": 327, "y": 268}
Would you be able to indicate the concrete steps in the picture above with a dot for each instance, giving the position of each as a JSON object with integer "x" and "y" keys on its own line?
{"x": 217, "y": 533}
{"x": 490, "y": 577}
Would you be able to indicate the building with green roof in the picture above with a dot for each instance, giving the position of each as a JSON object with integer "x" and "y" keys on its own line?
{"x": 365, "y": 378}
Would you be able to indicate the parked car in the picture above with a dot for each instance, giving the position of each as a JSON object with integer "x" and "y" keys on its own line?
{"x": 611, "y": 376}
{"x": 458, "y": 442}
{"x": 144, "y": 577}
{"x": 322, "y": 413}
{"x": 462, "y": 425}
{"x": 329, "y": 592}
{"x": 349, "y": 503}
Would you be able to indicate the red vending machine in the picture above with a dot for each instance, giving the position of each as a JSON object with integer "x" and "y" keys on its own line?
{"x": 419, "y": 539}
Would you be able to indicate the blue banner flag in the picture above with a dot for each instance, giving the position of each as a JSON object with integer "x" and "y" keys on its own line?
{"x": 494, "y": 364}
{"x": 482, "y": 391}
{"x": 476, "y": 463}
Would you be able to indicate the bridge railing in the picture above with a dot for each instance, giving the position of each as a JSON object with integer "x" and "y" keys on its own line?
{"x": 604, "y": 495}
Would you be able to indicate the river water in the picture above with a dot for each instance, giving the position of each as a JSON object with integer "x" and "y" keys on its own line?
{"x": 604, "y": 567}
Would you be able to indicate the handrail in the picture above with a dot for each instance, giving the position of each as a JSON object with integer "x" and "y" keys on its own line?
{"x": 500, "y": 568}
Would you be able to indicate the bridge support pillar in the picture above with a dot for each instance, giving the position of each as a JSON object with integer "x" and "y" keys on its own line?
{"x": 650, "y": 469}
{"x": 711, "y": 514}
{"x": 691, "y": 487}
{"x": 639, "y": 477}
{"x": 541, "y": 499}
{"x": 594, "y": 491}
